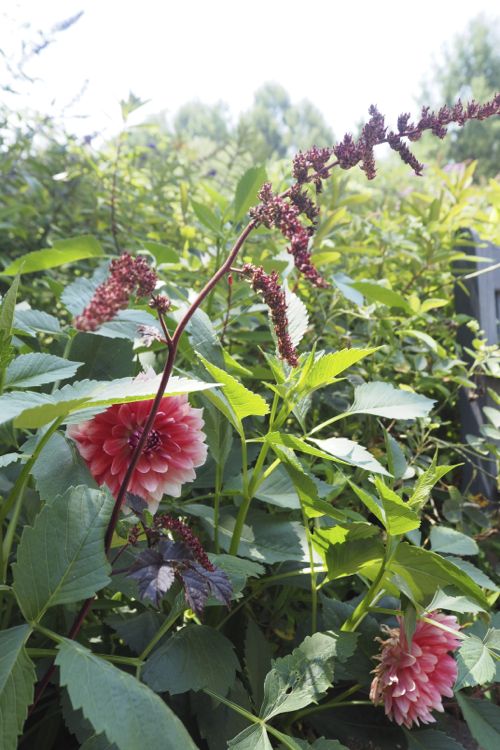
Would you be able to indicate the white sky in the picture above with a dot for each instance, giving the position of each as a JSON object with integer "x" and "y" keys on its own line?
{"x": 340, "y": 54}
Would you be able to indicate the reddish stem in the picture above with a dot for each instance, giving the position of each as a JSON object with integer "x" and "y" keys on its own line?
{"x": 173, "y": 345}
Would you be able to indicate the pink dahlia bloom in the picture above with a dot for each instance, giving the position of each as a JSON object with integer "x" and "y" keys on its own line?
{"x": 174, "y": 447}
{"x": 412, "y": 680}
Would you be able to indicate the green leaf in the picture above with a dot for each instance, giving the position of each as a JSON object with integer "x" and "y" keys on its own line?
{"x": 425, "y": 571}
{"x": 447, "y": 599}
{"x": 426, "y": 482}
{"x": 206, "y": 216}
{"x": 483, "y": 720}
{"x": 353, "y": 557}
{"x": 219, "y": 433}
{"x": 477, "y": 575}
{"x": 63, "y": 251}
{"x": 37, "y": 369}
{"x": 277, "y": 489}
{"x": 252, "y": 738}
{"x": 351, "y": 453}
{"x": 17, "y": 678}
{"x": 244, "y": 402}
{"x": 258, "y": 653}
{"x": 444, "y": 539}
{"x": 162, "y": 253}
{"x": 431, "y": 739}
{"x": 305, "y": 675}
{"x": 247, "y": 191}
{"x": 7, "y": 308}
{"x": 390, "y": 509}
{"x": 115, "y": 703}
{"x": 10, "y": 458}
{"x": 396, "y": 460}
{"x": 59, "y": 467}
{"x": 31, "y": 409}
{"x": 194, "y": 658}
{"x": 61, "y": 558}
{"x": 475, "y": 663}
{"x": 297, "y": 317}
{"x": 36, "y": 321}
{"x": 383, "y": 400}
{"x": 378, "y": 293}
{"x": 326, "y": 368}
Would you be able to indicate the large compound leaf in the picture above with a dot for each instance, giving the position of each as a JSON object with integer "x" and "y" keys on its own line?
{"x": 61, "y": 558}
{"x": 243, "y": 402}
{"x": 63, "y": 251}
{"x": 305, "y": 675}
{"x": 37, "y": 368}
{"x": 17, "y": 678}
{"x": 483, "y": 720}
{"x": 126, "y": 710}
{"x": 383, "y": 400}
{"x": 194, "y": 658}
{"x": 30, "y": 409}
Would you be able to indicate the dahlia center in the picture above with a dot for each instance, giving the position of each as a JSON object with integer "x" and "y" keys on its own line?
{"x": 153, "y": 440}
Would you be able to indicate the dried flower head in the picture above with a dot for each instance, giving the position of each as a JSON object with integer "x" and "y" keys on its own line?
{"x": 275, "y": 299}
{"x": 173, "y": 449}
{"x": 127, "y": 276}
{"x": 411, "y": 680}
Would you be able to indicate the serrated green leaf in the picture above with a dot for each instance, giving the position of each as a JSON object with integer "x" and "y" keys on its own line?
{"x": 305, "y": 675}
{"x": 451, "y": 541}
{"x": 7, "y": 308}
{"x": 425, "y": 483}
{"x": 28, "y": 370}
{"x": 117, "y": 704}
{"x": 476, "y": 574}
{"x": 353, "y": 557}
{"x": 36, "y": 321}
{"x": 475, "y": 663}
{"x": 399, "y": 518}
{"x": 383, "y": 400}
{"x": 244, "y": 402}
{"x": 351, "y": 453}
{"x": 424, "y": 571}
{"x": 445, "y": 599}
{"x": 247, "y": 191}
{"x": 483, "y": 720}
{"x": 59, "y": 467}
{"x": 326, "y": 368}
{"x": 194, "y": 658}
{"x": 61, "y": 558}
{"x": 17, "y": 679}
{"x": 63, "y": 251}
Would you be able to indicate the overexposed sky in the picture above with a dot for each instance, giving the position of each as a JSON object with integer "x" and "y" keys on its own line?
{"x": 340, "y": 54}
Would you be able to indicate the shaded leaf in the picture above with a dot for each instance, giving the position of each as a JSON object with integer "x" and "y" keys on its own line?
{"x": 17, "y": 679}
{"x": 37, "y": 369}
{"x": 127, "y": 711}
{"x": 194, "y": 658}
{"x": 483, "y": 720}
{"x": 444, "y": 539}
{"x": 48, "y": 572}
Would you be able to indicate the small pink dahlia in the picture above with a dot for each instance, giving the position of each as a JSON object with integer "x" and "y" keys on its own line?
{"x": 174, "y": 447}
{"x": 411, "y": 680}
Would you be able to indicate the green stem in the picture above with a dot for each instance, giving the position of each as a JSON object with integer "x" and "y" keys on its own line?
{"x": 16, "y": 495}
{"x": 174, "y": 615}
{"x": 328, "y": 422}
{"x": 339, "y": 700}
{"x": 217, "y": 494}
{"x": 374, "y": 590}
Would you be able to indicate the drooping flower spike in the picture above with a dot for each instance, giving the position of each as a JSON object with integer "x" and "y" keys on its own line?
{"x": 174, "y": 447}
{"x": 411, "y": 680}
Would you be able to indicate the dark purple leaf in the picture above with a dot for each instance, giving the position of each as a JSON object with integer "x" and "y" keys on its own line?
{"x": 136, "y": 503}
{"x": 220, "y": 585}
{"x": 154, "y": 577}
{"x": 175, "y": 551}
{"x": 196, "y": 588}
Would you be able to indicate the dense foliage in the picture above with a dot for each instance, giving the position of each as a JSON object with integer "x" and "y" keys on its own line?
{"x": 334, "y": 496}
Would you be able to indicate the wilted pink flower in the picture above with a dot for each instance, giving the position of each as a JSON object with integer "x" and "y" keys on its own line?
{"x": 174, "y": 447}
{"x": 412, "y": 680}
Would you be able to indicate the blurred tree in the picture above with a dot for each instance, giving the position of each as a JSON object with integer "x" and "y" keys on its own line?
{"x": 280, "y": 128}
{"x": 470, "y": 68}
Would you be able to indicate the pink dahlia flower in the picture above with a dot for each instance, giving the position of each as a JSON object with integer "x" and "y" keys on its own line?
{"x": 174, "y": 447}
{"x": 412, "y": 680}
